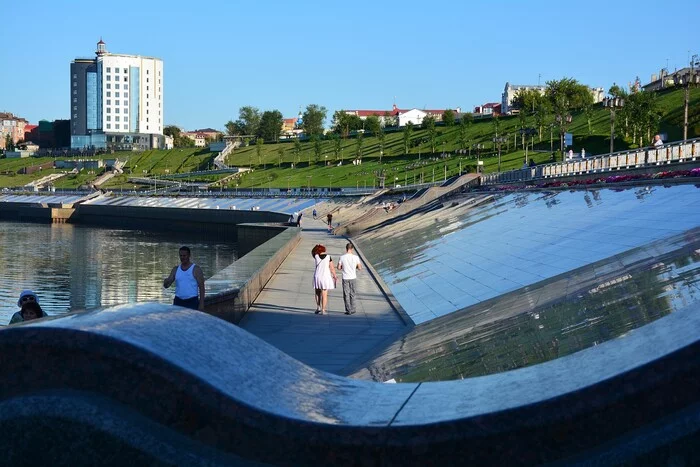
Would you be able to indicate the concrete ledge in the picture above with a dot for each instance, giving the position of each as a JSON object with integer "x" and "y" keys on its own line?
{"x": 232, "y": 291}
{"x": 206, "y": 392}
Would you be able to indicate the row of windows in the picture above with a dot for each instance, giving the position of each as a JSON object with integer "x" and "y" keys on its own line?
{"x": 116, "y": 86}
{"x": 116, "y": 94}
{"x": 116, "y": 118}
{"x": 116, "y": 110}
{"x": 116, "y": 78}
{"x": 116, "y": 70}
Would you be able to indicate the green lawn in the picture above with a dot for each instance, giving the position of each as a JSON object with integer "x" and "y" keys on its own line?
{"x": 271, "y": 170}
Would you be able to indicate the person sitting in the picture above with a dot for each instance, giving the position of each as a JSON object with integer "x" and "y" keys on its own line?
{"x": 25, "y": 297}
{"x": 31, "y": 310}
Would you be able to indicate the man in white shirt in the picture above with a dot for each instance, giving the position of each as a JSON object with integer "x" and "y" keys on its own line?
{"x": 349, "y": 263}
{"x": 657, "y": 141}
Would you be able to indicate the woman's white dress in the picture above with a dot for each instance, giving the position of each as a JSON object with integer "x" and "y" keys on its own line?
{"x": 322, "y": 276}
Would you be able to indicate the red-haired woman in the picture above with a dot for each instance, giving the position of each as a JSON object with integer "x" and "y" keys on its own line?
{"x": 324, "y": 277}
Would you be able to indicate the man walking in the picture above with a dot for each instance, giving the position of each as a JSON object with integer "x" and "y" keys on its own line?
{"x": 349, "y": 263}
{"x": 189, "y": 282}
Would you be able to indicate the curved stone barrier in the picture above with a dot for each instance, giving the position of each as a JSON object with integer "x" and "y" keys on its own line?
{"x": 158, "y": 384}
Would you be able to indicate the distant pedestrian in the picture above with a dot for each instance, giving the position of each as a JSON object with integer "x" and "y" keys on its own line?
{"x": 299, "y": 219}
{"x": 314, "y": 214}
{"x": 583, "y": 153}
{"x": 329, "y": 219}
{"x": 25, "y": 297}
{"x": 324, "y": 278}
{"x": 657, "y": 141}
{"x": 189, "y": 282}
{"x": 349, "y": 264}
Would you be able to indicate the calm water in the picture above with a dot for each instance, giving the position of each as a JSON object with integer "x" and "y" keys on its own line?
{"x": 75, "y": 267}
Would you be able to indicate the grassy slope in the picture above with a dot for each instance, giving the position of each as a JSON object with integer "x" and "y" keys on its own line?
{"x": 399, "y": 167}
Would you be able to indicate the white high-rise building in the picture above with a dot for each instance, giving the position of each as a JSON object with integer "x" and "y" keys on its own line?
{"x": 117, "y": 101}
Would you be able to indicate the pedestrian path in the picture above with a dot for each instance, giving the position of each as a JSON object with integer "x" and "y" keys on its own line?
{"x": 283, "y": 314}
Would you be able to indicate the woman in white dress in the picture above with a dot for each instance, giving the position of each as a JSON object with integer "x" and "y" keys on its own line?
{"x": 324, "y": 277}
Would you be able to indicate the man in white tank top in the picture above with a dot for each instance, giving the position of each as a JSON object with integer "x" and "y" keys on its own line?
{"x": 189, "y": 282}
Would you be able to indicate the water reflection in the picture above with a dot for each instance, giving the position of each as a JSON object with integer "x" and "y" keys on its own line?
{"x": 455, "y": 257}
{"x": 75, "y": 267}
{"x": 509, "y": 334}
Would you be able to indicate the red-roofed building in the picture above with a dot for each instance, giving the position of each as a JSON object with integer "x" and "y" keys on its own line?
{"x": 492, "y": 108}
{"x": 401, "y": 116}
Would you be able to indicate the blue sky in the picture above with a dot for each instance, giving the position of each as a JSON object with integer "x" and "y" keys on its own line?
{"x": 220, "y": 55}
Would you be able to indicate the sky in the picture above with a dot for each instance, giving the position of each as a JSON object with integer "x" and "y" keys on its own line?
{"x": 221, "y": 55}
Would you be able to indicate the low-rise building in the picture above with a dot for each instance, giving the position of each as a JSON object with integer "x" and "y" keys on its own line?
{"x": 666, "y": 80}
{"x": 12, "y": 126}
{"x": 490, "y": 108}
{"x": 401, "y": 117}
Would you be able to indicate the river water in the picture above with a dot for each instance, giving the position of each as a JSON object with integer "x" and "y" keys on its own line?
{"x": 73, "y": 267}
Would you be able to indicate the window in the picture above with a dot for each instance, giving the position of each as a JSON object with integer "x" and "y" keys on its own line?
{"x": 146, "y": 103}
{"x": 159, "y": 73}
{"x": 147, "y": 80}
{"x": 75, "y": 84}
{"x": 109, "y": 110}
{"x": 75, "y": 91}
{"x": 109, "y": 70}
{"x": 158, "y": 88}
{"x": 146, "y": 119}
{"x": 146, "y": 88}
{"x": 116, "y": 126}
{"x": 158, "y": 78}
{"x": 146, "y": 73}
{"x": 109, "y": 101}
{"x": 146, "y": 111}
{"x": 126, "y": 87}
{"x": 159, "y": 120}
{"x": 116, "y": 102}
{"x": 147, "y": 127}
{"x": 75, "y": 115}
{"x": 109, "y": 86}
{"x": 146, "y": 96}
{"x": 116, "y": 119}
{"x": 109, "y": 118}
{"x": 126, "y": 95}
{"x": 126, "y": 119}
{"x": 116, "y": 94}
{"x": 116, "y": 111}
{"x": 109, "y": 77}
{"x": 116, "y": 86}
{"x": 74, "y": 76}
{"x": 109, "y": 125}
{"x": 75, "y": 107}
{"x": 116, "y": 70}
{"x": 125, "y": 79}
{"x": 75, "y": 99}
{"x": 124, "y": 70}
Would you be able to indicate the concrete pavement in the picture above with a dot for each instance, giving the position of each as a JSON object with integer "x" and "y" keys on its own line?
{"x": 283, "y": 314}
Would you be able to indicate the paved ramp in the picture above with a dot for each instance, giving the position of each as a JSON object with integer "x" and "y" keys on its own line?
{"x": 283, "y": 314}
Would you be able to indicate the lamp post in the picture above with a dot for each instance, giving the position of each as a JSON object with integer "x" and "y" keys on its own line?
{"x": 562, "y": 121}
{"x": 498, "y": 140}
{"x": 690, "y": 78}
{"x": 527, "y": 132}
{"x": 613, "y": 103}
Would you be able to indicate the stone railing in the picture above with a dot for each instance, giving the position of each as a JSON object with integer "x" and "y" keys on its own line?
{"x": 675, "y": 153}
{"x": 157, "y": 384}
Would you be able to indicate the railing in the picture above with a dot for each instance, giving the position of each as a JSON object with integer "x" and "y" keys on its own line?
{"x": 679, "y": 152}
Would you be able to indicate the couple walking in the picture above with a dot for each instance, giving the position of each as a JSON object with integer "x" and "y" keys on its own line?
{"x": 325, "y": 277}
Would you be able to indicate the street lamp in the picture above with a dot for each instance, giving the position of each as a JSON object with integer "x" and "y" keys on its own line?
{"x": 690, "y": 78}
{"x": 498, "y": 140}
{"x": 527, "y": 132}
{"x": 562, "y": 121}
{"x": 613, "y": 103}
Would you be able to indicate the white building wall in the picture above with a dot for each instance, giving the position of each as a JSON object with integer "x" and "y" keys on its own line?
{"x": 116, "y": 91}
{"x": 414, "y": 116}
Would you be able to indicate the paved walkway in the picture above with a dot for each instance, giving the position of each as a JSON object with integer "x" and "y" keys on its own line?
{"x": 283, "y": 314}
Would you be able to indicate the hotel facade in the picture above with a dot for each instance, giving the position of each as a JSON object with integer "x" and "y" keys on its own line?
{"x": 116, "y": 101}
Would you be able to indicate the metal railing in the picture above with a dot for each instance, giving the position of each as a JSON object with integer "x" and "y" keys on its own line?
{"x": 678, "y": 152}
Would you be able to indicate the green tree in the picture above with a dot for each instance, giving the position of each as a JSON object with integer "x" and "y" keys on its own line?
{"x": 280, "y": 155}
{"x": 233, "y": 129}
{"x": 318, "y": 149}
{"x": 448, "y": 118}
{"x": 270, "y": 125}
{"x": 312, "y": 120}
{"x": 407, "y": 135}
{"x": 9, "y": 145}
{"x": 249, "y": 120}
{"x": 429, "y": 124}
{"x": 566, "y": 95}
{"x": 297, "y": 152}
{"x": 372, "y": 124}
{"x": 258, "y": 149}
{"x": 465, "y": 123}
{"x": 358, "y": 145}
{"x": 381, "y": 137}
{"x": 337, "y": 143}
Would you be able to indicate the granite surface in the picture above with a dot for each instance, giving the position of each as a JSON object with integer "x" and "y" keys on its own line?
{"x": 206, "y": 392}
